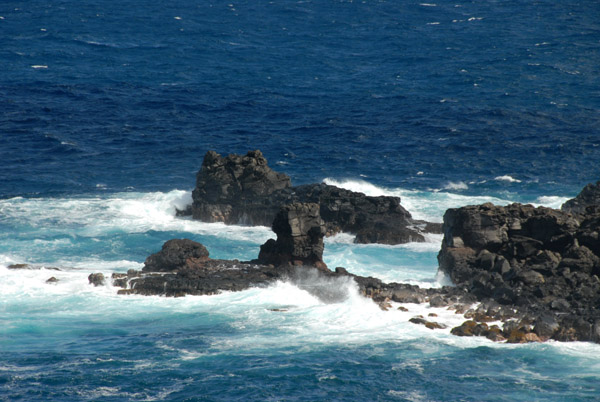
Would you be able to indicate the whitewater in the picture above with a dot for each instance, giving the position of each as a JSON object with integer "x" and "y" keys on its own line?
{"x": 69, "y": 340}
{"x": 109, "y": 107}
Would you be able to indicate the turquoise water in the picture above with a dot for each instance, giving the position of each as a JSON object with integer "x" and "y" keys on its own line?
{"x": 107, "y": 109}
{"x": 71, "y": 341}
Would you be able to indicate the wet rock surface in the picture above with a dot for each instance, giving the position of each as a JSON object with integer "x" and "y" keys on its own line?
{"x": 588, "y": 197}
{"x": 300, "y": 230}
{"x": 96, "y": 279}
{"x": 31, "y": 267}
{"x": 542, "y": 264}
{"x": 174, "y": 255}
{"x": 522, "y": 274}
{"x": 244, "y": 190}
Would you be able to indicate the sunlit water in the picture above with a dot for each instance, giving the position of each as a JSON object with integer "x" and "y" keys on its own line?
{"x": 107, "y": 109}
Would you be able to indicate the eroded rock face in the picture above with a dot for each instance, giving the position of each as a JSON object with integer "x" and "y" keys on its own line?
{"x": 537, "y": 270}
{"x": 300, "y": 232}
{"x": 234, "y": 189}
{"x": 245, "y": 190}
{"x": 588, "y": 197}
{"x": 543, "y": 262}
{"x": 206, "y": 276}
{"x": 373, "y": 219}
{"x": 174, "y": 255}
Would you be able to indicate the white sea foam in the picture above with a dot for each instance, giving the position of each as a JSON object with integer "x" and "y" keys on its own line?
{"x": 283, "y": 315}
{"x": 411, "y": 396}
{"x": 125, "y": 212}
{"x": 551, "y": 201}
{"x": 427, "y": 205}
{"x": 460, "y": 185}
{"x": 507, "y": 178}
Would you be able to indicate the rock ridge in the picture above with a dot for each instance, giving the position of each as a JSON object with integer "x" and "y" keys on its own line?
{"x": 240, "y": 189}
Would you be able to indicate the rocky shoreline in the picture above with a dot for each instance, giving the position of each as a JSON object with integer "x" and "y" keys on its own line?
{"x": 531, "y": 271}
{"x": 540, "y": 262}
{"x": 520, "y": 273}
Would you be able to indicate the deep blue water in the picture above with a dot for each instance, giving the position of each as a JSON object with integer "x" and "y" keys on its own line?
{"x": 107, "y": 109}
{"x": 135, "y": 93}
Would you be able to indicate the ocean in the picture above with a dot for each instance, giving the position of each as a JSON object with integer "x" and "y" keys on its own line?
{"x": 107, "y": 109}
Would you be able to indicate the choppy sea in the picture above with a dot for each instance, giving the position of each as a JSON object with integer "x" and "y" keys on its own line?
{"x": 107, "y": 109}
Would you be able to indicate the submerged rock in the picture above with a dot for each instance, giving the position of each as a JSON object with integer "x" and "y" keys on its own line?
{"x": 31, "y": 267}
{"x": 20, "y": 266}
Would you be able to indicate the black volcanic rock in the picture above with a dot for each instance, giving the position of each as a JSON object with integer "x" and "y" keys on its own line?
{"x": 174, "y": 255}
{"x": 96, "y": 279}
{"x": 206, "y": 276}
{"x": 300, "y": 232}
{"x": 588, "y": 197}
{"x": 235, "y": 189}
{"x": 373, "y": 219}
{"x": 245, "y": 190}
{"x": 203, "y": 277}
{"x": 542, "y": 262}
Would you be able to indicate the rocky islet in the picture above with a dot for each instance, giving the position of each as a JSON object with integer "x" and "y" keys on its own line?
{"x": 243, "y": 189}
{"x": 534, "y": 270}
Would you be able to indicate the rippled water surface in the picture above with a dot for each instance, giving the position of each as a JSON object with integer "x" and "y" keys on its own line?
{"x": 109, "y": 107}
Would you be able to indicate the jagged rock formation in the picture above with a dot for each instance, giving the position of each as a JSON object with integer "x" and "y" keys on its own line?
{"x": 206, "y": 276}
{"x": 542, "y": 262}
{"x": 300, "y": 230}
{"x": 536, "y": 270}
{"x": 184, "y": 267}
{"x": 588, "y": 197}
{"x": 96, "y": 279}
{"x": 235, "y": 189}
{"x": 244, "y": 190}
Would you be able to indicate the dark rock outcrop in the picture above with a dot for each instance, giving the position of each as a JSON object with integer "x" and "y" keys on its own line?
{"x": 300, "y": 230}
{"x": 174, "y": 255}
{"x": 202, "y": 277}
{"x": 236, "y": 189}
{"x": 543, "y": 263}
{"x": 373, "y": 219}
{"x": 96, "y": 279}
{"x": 245, "y": 190}
{"x": 183, "y": 267}
{"x": 31, "y": 267}
{"x": 588, "y": 197}
{"x": 534, "y": 270}
{"x": 207, "y": 276}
